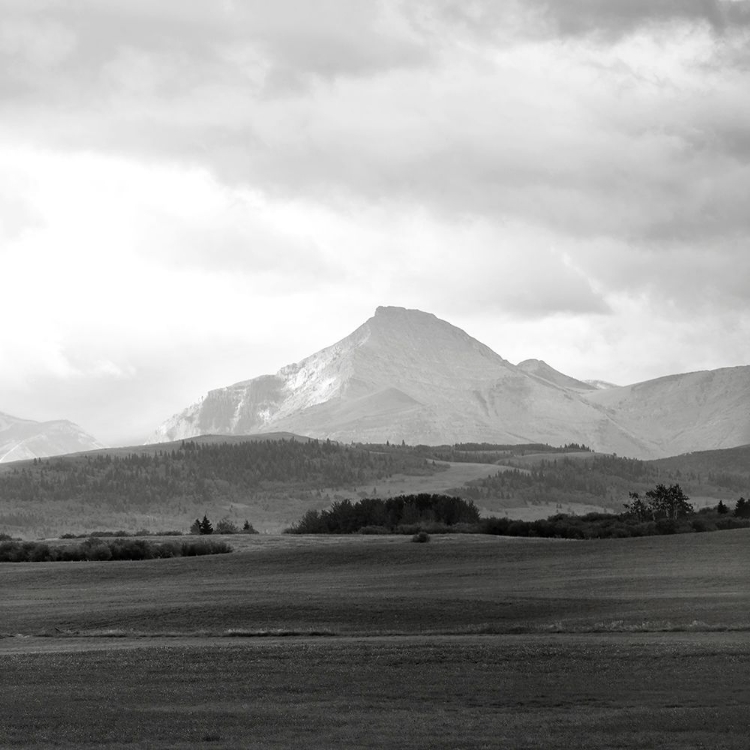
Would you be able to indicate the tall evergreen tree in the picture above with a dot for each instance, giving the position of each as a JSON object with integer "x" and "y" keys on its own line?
{"x": 206, "y": 526}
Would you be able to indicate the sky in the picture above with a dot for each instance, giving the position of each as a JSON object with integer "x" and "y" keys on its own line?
{"x": 198, "y": 192}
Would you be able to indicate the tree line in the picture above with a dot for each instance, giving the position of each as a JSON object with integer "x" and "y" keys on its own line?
{"x": 389, "y": 515}
{"x": 662, "y": 510}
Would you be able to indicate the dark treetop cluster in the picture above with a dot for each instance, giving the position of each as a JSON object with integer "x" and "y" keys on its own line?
{"x": 393, "y": 514}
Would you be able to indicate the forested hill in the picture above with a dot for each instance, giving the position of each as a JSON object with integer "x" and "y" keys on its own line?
{"x": 274, "y": 482}
{"x": 728, "y": 468}
{"x": 270, "y": 480}
{"x": 607, "y": 480}
{"x": 203, "y": 472}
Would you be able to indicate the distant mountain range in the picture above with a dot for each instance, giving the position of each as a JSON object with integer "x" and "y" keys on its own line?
{"x": 405, "y": 375}
{"x": 22, "y": 439}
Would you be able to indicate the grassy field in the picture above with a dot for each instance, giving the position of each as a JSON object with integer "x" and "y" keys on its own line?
{"x": 464, "y": 642}
{"x": 428, "y": 692}
{"x": 365, "y": 585}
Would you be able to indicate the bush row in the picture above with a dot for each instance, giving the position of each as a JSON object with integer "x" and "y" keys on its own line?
{"x": 604, "y": 526}
{"x": 96, "y": 548}
{"x": 120, "y": 534}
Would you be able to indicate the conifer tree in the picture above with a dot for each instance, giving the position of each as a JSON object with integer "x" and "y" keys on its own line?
{"x": 206, "y": 526}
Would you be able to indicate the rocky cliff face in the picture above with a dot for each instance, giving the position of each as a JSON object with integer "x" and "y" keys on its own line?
{"x": 22, "y": 439}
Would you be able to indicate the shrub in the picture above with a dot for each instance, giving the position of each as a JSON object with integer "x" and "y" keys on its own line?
{"x": 40, "y": 553}
{"x": 100, "y": 552}
{"x": 9, "y": 551}
{"x": 666, "y": 526}
{"x": 97, "y": 549}
{"x": 226, "y": 526}
{"x": 133, "y": 549}
{"x": 518, "y": 528}
{"x": 196, "y": 547}
{"x": 421, "y": 537}
{"x": 729, "y": 522}
{"x": 371, "y": 530}
{"x": 702, "y": 524}
{"x": 493, "y": 525}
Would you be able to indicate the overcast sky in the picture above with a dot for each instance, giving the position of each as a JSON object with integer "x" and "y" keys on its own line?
{"x": 196, "y": 192}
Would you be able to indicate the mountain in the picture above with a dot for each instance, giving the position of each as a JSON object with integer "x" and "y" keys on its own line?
{"x": 405, "y": 375}
{"x": 540, "y": 369}
{"x": 695, "y": 411}
{"x": 22, "y": 439}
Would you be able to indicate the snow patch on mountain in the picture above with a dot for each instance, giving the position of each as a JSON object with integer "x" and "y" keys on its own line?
{"x": 600, "y": 385}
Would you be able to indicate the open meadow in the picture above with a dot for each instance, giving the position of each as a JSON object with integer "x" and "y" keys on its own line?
{"x": 468, "y": 641}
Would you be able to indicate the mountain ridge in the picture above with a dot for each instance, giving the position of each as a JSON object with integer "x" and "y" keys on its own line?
{"x": 408, "y": 375}
{"x": 539, "y": 368}
{"x": 22, "y": 439}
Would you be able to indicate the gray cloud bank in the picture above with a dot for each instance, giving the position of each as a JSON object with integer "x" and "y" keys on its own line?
{"x": 423, "y": 102}
{"x": 568, "y": 154}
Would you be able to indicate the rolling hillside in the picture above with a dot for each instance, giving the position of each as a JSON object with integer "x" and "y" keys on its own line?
{"x": 272, "y": 482}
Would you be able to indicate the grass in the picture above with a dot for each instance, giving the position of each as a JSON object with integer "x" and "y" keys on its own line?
{"x": 502, "y": 692}
{"x": 360, "y": 585}
{"x": 327, "y": 642}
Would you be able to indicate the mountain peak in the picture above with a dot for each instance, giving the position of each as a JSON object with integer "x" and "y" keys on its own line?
{"x": 396, "y": 310}
{"x": 388, "y": 311}
{"x": 424, "y": 331}
{"x": 403, "y": 317}
{"x": 408, "y": 341}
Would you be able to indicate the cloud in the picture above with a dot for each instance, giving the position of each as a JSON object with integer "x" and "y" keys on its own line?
{"x": 410, "y": 103}
{"x": 618, "y": 18}
{"x": 195, "y": 192}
